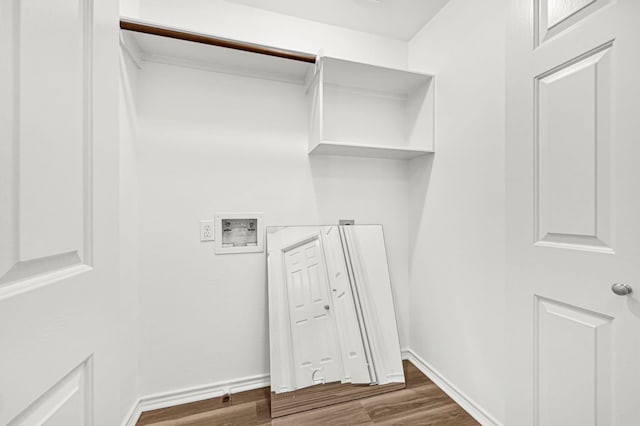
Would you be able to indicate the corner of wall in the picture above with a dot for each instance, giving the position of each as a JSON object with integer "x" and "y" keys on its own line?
{"x": 457, "y": 203}
{"x": 129, "y": 325}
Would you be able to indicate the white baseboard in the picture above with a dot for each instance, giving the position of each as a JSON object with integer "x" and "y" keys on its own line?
{"x": 460, "y": 398}
{"x": 133, "y": 415}
{"x": 213, "y": 390}
{"x": 197, "y": 393}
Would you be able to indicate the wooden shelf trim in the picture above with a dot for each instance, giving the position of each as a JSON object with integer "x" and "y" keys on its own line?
{"x": 146, "y": 28}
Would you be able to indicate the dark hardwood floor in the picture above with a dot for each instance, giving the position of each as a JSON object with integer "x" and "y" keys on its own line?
{"x": 421, "y": 403}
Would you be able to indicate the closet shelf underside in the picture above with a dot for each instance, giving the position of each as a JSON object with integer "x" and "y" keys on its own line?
{"x": 364, "y": 150}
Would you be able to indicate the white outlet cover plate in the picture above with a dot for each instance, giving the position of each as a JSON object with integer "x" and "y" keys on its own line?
{"x": 207, "y": 230}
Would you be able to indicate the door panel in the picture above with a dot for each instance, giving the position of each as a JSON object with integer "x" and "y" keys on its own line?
{"x": 316, "y": 360}
{"x": 573, "y": 365}
{"x": 48, "y": 210}
{"x": 52, "y": 165}
{"x": 557, "y": 11}
{"x": 552, "y": 17}
{"x": 572, "y": 183}
{"x": 354, "y": 358}
{"x": 573, "y": 161}
{"x": 65, "y": 404}
{"x": 58, "y": 212}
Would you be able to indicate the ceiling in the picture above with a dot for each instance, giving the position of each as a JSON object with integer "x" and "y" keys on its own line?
{"x": 400, "y": 19}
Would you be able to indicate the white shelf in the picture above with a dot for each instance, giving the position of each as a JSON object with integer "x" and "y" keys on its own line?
{"x": 166, "y": 50}
{"x": 364, "y": 110}
{"x": 372, "y": 151}
{"x": 384, "y": 80}
{"x": 356, "y": 109}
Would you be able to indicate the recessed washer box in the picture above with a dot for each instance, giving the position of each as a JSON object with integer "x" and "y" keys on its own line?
{"x": 239, "y": 233}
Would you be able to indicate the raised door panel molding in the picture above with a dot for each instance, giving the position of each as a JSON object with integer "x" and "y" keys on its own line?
{"x": 573, "y": 196}
{"x": 67, "y": 403}
{"x": 47, "y": 192}
{"x": 559, "y": 10}
{"x": 553, "y": 17}
{"x": 573, "y": 365}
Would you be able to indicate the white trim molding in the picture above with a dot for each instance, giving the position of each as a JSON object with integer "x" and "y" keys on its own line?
{"x": 133, "y": 414}
{"x": 459, "y": 397}
{"x": 213, "y": 390}
{"x": 196, "y": 393}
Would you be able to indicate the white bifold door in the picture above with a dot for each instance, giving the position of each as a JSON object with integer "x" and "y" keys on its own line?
{"x": 573, "y": 197}
{"x": 58, "y": 210}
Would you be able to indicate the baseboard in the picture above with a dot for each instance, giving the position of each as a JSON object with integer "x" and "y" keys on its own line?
{"x": 197, "y": 393}
{"x": 460, "y": 398}
{"x": 133, "y": 415}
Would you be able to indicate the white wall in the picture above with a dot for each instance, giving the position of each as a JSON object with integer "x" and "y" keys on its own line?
{"x": 128, "y": 251}
{"x": 457, "y": 202}
{"x": 245, "y": 23}
{"x": 210, "y": 142}
{"x": 129, "y": 7}
{"x": 216, "y": 142}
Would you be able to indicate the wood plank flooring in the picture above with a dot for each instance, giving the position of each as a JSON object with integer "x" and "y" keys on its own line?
{"x": 319, "y": 396}
{"x": 421, "y": 403}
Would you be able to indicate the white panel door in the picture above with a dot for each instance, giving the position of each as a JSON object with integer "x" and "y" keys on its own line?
{"x": 573, "y": 180}
{"x": 58, "y": 204}
{"x": 316, "y": 350}
{"x": 354, "y": 357}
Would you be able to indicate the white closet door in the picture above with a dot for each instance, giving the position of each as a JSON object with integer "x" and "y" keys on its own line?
{"x": 58, "y": 210}
{"x": 573, "y": 185}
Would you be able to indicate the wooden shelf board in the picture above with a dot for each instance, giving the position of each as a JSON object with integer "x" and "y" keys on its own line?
{"x": 155, "y": 48}
{"x": 363, "y": 150}
{"x": 146, "y": 27}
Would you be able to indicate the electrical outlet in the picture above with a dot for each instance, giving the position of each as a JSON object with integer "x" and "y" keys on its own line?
{"x": 206, "y": 230}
